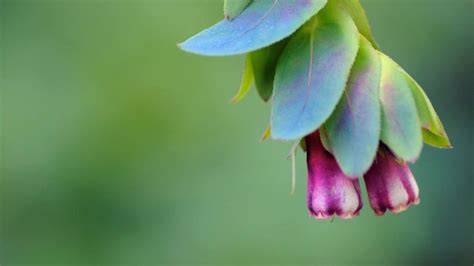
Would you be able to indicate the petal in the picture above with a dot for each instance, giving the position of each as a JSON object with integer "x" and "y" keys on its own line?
{"x": 330, "y": 192}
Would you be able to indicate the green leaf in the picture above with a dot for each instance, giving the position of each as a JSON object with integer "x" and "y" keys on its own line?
{"x": 401, "y": 127}
{"x": 435, "y": 134}
{"x": 357, "y": 13}
{"x": 247, "y": 79}
{"x": 436, "y": 140}
{"x": 312, "y": 72}
{"x": 303, "y": 145}
{"x": 264, "y": 62}
{"x": 232, "y": 8}
{"x": 323, "y": 135}
{"x": 266, "y": 134}
{"x": 354, "y": 127}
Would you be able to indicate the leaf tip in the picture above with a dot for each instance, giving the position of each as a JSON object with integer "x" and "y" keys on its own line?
{"x": 180, "y": 46}
{"x": 266, "y": 134}
{"x": 235, "y": 99}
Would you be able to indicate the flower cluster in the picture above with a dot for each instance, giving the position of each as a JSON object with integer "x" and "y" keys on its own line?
{"x": 355, "y": 111}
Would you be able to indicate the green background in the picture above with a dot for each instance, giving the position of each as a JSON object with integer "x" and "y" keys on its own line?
{"x": 119, "y": 148}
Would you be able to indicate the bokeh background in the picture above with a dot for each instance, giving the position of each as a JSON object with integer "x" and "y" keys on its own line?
{"x": 118, "y": 148}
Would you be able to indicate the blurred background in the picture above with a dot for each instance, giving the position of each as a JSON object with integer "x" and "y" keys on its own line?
{"x": 118, "y": 148}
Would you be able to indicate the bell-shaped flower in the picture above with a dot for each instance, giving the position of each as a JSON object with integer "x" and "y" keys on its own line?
{"x": 390, "y": 183}
{"x": 330, "y": 191}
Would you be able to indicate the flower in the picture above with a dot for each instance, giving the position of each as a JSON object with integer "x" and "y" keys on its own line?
{"x": 329, "y": 84}
{"x": 390, "y": 183}
{"x": 330, "y": 191}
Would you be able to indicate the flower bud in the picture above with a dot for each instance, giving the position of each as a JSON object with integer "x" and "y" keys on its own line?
{"x": 390, "y": 183}
{"x": 330, "y": 192}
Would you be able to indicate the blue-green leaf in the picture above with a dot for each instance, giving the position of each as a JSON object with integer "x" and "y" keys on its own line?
{"x": 312, "y": 73}
{"x": 232, "y": 8}
{"x": 354, "y": 128}
{"x": 264, "y": 62}
{"x": 261, "y": 24}
{"x": 401, "y": 127}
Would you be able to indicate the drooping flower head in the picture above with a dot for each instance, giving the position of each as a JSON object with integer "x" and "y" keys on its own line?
{"x": 358, "y": 113}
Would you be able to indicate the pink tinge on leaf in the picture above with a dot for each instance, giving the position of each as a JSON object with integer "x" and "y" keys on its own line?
{"x": 390, "y": 183}
{"x": 330, "y": 192}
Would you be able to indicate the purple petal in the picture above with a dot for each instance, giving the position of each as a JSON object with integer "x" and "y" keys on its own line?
{"x": 390, "y": 183}
{"x": 330, "y": 191}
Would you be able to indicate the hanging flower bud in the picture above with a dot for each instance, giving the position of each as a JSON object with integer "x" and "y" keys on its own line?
{"x": 330, "y": 191}
{"x": 390, "y": 183}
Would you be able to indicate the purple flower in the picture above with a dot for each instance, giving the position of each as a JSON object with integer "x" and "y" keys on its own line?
{"x": 390, "y": 183}
{"x": 330, "y": 191}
